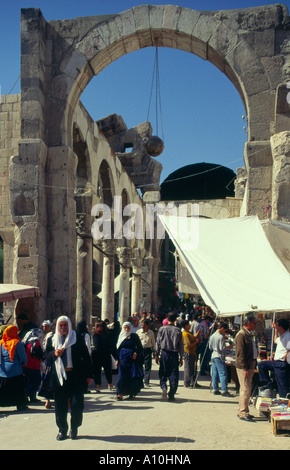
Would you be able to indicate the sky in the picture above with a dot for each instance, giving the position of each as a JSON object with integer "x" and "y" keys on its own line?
{"x": 202, "y": 113}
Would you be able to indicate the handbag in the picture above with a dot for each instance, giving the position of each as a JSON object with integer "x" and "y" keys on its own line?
{"x": 113, "y": 363}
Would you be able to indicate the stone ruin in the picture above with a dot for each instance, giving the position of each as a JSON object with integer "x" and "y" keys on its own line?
{"x": 57, "y": 163}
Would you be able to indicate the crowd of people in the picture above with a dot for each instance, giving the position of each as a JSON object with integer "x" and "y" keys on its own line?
{"x": 58, "y": 363}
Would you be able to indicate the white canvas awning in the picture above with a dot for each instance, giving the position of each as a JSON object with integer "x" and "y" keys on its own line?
{"x": 185, "y": 281}
{"x": 232, "y": 264}
{"x": 278, "y": 234}
{"x": 17, "y": 291}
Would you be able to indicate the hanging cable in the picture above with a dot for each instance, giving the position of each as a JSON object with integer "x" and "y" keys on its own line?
{"x": 14, "y": 85}
{"x": 151, "y": 91}
{"x": 158, "y": 106}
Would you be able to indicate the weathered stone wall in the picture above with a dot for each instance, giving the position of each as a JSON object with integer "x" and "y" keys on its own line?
{"x": 9, "y": 137}
{"x": 280, "y": 145}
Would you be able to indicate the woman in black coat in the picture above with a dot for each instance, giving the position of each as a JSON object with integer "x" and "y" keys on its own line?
{"x": 101, "y": 355}
{"x": 129, "y": 362}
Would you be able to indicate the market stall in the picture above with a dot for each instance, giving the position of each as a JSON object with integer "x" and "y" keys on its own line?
{"x": 17, "y": 291}
{"x": 232, "y": 264}
{"x": 10, "y": 292}
{"x": 237, "y": 268}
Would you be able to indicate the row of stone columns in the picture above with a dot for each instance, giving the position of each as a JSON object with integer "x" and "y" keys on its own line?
{"x": 129, "y": 259}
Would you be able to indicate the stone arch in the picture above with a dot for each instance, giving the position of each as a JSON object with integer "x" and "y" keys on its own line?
{"x": 218, "y": 37}
{"x": 250, "y": 46}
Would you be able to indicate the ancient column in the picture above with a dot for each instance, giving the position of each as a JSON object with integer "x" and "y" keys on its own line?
{"x": 109, "y": 248}
{"x": 84, "y": 271}
{"x": 136, "y": 262}
{"x": 155, "y": 283}
{"x": 125, "y": 254}
{"x": 146, "y": 283}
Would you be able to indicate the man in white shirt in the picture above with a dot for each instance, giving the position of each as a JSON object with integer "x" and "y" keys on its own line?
{"x": 147, "y": 339}
{"x": 279, "y": 365}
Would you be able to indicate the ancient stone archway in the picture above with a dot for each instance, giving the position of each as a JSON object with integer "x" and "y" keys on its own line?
{"x": 59, "y": 58}
{"x": 249, "y": 46}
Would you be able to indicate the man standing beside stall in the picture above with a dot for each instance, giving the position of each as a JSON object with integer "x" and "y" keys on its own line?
{"x": 246, "y": 355}
{"x": 217, "y": 345}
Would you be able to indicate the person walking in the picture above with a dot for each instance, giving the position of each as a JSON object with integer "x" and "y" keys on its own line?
{"x": 204, "y": 351}
{"x": 169, "y": 353}
{"x": 190, "y": 343}
{"x": 35, "y": 356}
{"x": 246, "y": 355}
{"x": 71, "y": 372}
{"x": 147, "y": 339}
{"x": 101, "y": 355}
{"x": 218, "y": 347}
{"x": 82, "y": 331}
{"x": 129, "y": 362}
{"x": 24, "y": 324}
{"x": 13, "y": 358}
{"x": 44, "y": 389}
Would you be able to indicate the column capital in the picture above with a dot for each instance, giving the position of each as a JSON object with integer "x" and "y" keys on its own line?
{"x": 125, "y": 256}
{"x": 137, "y": 258}
{"x": 109, "y": 247}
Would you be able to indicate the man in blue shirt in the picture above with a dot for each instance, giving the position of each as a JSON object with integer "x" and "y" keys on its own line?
{"x": 218, "y": 347}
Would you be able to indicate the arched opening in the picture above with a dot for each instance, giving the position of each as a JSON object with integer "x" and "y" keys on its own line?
{"x": 83, "y": 168}
{"x": 105, "y": 185}
{"x": 204, "y": 124}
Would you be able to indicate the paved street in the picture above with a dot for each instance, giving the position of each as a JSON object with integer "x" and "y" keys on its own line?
{"x": 197, "y": 420}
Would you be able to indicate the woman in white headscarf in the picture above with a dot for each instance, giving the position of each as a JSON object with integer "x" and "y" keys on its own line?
{"x": 71, "y": 372}
{"x": 129, "y": 361}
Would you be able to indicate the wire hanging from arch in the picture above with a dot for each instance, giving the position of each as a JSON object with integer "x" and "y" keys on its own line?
{"x": 155, "y": 145}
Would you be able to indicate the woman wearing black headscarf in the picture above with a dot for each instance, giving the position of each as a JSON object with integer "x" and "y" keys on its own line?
{"x": 101, "y": 355}
{"x": 82, "y": 332}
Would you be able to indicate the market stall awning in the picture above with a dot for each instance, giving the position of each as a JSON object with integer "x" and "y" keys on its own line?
{"x": 232, "y": 263}
{"x": 17, "y": 291}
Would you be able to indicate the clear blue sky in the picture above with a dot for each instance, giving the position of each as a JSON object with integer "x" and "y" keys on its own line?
{"x": 201, "y": 110}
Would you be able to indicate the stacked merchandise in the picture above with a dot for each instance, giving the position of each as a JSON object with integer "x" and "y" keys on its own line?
{"x": 263, "y": 404}
{"x": 280, "y": 416}
{"x": 262, "y": 351}
{"x": 280, "y": 409}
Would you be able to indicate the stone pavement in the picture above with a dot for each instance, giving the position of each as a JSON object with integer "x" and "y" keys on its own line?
{"x": 197, "y": 420}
